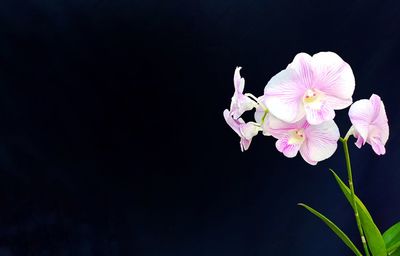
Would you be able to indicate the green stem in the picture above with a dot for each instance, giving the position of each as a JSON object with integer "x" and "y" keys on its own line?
{"x": 353, "y": 197}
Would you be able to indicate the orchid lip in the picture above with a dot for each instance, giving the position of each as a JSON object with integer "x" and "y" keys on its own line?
{"x": 296, "y": 137}
{"x": 311, "y": 96}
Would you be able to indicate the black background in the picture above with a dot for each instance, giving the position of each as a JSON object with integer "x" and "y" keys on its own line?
{"x": 113, "y": 140}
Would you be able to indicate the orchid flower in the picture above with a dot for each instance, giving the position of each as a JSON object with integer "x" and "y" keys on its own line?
{"x": 315, "y": 142}
{"x": 370, "y": 123}
{"x": 246, "y": 131}
{"x": 311, "y": 87}
{"x": 240, "y": 103}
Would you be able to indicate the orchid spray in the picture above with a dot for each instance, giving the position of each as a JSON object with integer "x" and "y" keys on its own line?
{"x": 298, "y": 110}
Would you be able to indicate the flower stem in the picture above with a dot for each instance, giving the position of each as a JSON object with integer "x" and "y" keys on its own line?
{"x": 353, "y": 196}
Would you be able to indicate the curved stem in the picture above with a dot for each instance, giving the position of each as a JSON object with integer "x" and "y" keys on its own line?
{"x": 353, "y": 197}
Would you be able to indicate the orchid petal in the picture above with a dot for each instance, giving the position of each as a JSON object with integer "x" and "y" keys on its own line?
{"x": 361, "y": 115}
{"x": 360, "y": 141}
{"x": 288, "y": 149}
{"x": 337, "y": 103}
{"x": 258, "y": 114}
{"x": 278, "y": 128}
{"x": 318, "y": 113}
{"x": 246, "y": 131}
{"x": 305, "y": 154}
{"x": 240, "y": 104}
{"x": 378, "y": 146}
{"x": 283, "y": 96}
{"x": 302, "y": 64}
{"x": 379, "y": 116}
{"x": 244, "y": 144}
{"x": 321, "y": 141}
{"x": 238, "y": 81}
{"x": 384, "y": 136}
{"x": 380, "y": 120}
{"x": 249, "y": 130}
{"x": 335, "y": 78}
{"x": 233, "y": 123}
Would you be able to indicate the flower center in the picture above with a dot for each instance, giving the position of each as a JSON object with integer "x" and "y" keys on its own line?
{"x": 296, "y": 137}
{"x": 310, "y": 96}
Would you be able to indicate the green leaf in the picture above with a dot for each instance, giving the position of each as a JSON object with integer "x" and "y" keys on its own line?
{"x": 395, "y": 252}
{"x": 334, "y": 228}
{"x": 392, "y": 237}
{"x": 374, "y": 238}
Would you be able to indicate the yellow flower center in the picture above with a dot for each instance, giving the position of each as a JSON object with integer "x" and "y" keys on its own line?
{"x": 297, "y": 137}
{"x": 310, "y": 96}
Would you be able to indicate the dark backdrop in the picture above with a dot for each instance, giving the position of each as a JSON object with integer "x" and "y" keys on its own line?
{"x": 112, "y": 140}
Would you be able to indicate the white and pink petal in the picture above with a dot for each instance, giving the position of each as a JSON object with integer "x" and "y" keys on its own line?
{"x": 246, "y": 131}
{"x": 238, "y": 81}
{"x": 334, "y": 77}
{"x": 379, "y": 116}
{"x": 283, "y": 96}
{"x": 240, "y": 104}
{"x": 249, "y": 130}
{"x": 233, "y": 123}
{"x": 244, "y": 144}
{"x": 321, "y": 141}
{"x": 318, "y": 112}
{"x": 361, "y": 115}
{"x": 285, "y": 146}
{"x": 303, "y": 65}
{"x": 305, "y": 154}
{"x": 278, "y": 128}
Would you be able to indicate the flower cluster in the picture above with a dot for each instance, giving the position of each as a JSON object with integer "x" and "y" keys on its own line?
{"x": 298, "y": 109}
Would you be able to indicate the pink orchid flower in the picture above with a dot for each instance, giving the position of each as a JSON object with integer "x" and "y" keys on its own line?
{"x": 370, "y": 123}
{"x": 240, "y": 103}
{"x": 311, "y": 87}
{"x": 246, "y": 131}
{"x": 315, "y": 142}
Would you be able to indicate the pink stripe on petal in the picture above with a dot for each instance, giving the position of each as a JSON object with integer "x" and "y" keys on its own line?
{"x": 318, "y": 114}
{"x": 361, "y": 113}
{"x": 333, "y": 76}
{"x": 278, "y": 128}
{"x": 379, "y": 118}
{"x": 289, "y": 150}
{"x": 321, "y": 140}
{"x": 337, "y": 103}
{"x": 302, "y": 64}
{"x": 283, "y": 96}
